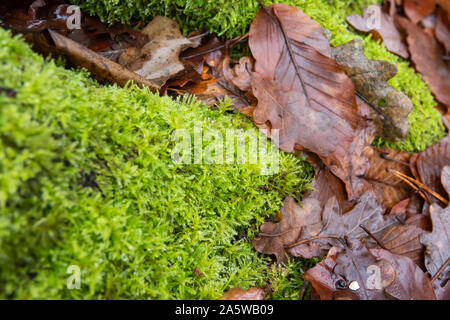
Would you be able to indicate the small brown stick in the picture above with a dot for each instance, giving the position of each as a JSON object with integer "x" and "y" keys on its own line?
{"x": 440, "y": 270}
{"x": 302, "y": 292}
{"x": 221, "y": 46}
{"x": 422, "y": 186}
{"x": 412, "y": 185}
{"x": 373, "y": 237}
{"x": 386, "y": 157}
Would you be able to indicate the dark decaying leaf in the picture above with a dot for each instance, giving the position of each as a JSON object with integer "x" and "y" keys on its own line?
{"x": 304, "y": 93}
{"x": 437, "y": 242}
{"x": 254, "y": 293}
{"x": 386, "y": 31}
{"x": 358, "y": 273}
{"x": 426, "y": 54}
{"x": 427, "y": 166}
{"x": 101, "y": 68}
{"x": 310, "y": 231}
{"x": 158, "y": 59}
{"x": 416, "y": 10}
{"x": 389, "y": 189}
{"x": 370, "y": 79}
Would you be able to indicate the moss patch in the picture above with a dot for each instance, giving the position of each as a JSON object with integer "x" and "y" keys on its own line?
{"x": 231, "y": 18}
{"x": 86, "y": 179}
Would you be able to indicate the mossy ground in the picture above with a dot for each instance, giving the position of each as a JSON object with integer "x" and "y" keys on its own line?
{"x": 230, "y": 18}
{"x": 87, "y": 179}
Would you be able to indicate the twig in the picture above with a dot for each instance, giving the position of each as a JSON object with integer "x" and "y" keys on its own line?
{"x": 221, "y": 46}
{"x": 373, "y": 237}
{"x": 386, "y": 157}
{"x": 304, "y": 287}
{"x": 422, "y": 186}
{"x": 289, "y": 246}
{"x": 441, "y": 269}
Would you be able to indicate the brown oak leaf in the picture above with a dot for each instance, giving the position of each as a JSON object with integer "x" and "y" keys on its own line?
{"x": 370, "y": 79}
{"x": 416, "y": 10}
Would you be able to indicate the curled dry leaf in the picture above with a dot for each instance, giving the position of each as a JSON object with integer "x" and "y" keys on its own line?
{"x": 438, "y": 241}
{"x": 358, "y": 273}
{"x": 386, "y": 31}
{"x": 304, "y": 93}
{"x": 426, "y": 54}
{"x": 158, "y": 59}
{"x": 416, "y": 10}
{"x": 254, "y": 293}
{"x": 370, "y": 79}
{"x": 427, "y": 166}
{"x": 101, "y": 68}
{"x": 310, "y": 231}
{"x": 388, "y": 188}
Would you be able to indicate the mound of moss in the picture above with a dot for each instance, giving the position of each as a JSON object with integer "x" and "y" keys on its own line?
{"x": 87, "y": 180}
{"x": 230, "y": 18}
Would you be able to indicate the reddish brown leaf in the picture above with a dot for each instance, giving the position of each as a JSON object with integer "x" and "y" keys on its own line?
{"x": 404, "y": 240}
{"x": 416, "y": 10}
{"x": 254, "y": 293}
{"x": 442, "y": 29}
{"x": 358, "y": 273}
{"x": 389, "y": 189}
{"x": 427, "y": 166}
{"x": 309, "y": 231}
{"x": 427, "y": 54}
{"x": 304, "y": 93}
{"x": 386, "y": 32}
{"x": 438, "y": 241}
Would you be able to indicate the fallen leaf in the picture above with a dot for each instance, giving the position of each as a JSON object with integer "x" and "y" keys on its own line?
{"x": 370, "y": 79}
{"x": 437, "y": 242}
{"x": 426, "y": 54}
{"x": 386, "y": 31}
{"x": 254, "y": 293}
{"x": 416, "y": 10}
{"x": 304, "y": 93}
{"x": 405, "y": 240}
{"x": 427, "y": 166}
{"x": 389, "y": 189}
{"x": 101, "y": 68}
{"x": 442, "y": 29}
{"x": 358, "y": 273}
{"x": 309, "y": 231}
{"x": 158, "y": 59}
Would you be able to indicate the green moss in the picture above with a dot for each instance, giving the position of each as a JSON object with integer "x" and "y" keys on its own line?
{"x": 87, "y": 179}
{"x": 230, "y": 18}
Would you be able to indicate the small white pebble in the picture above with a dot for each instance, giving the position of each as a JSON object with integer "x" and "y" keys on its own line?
{"x": 354, "y": 286}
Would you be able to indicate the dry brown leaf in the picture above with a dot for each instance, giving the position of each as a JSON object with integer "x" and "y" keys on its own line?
{"x": 442, "y": 29}
{"x": 254, "y": 293}
{"x": 309, "y": 231}
{"x": 158, "y": 59}
{"x": 101, "y": 68}
{"x": 438, "y": 241}
{"x": 427, "y": 166}
{"x": 370, "y": 79}
{"x": 389, "y": 189}
{"x": 304, "y": 93}
{"x": 416, "y": 10}
{"x": 426, "y": 54}
{"x": 404, "y": 240}
{"x": 358, "y": 273}
{"x": 387, "y": 31}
